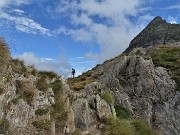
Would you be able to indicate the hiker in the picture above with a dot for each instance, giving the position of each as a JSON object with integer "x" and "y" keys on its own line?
{"x": 73, "y": 72}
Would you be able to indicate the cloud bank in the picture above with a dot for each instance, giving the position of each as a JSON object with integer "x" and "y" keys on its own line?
{"x": 60, "y": 66}
{"x": 107, "y": 22}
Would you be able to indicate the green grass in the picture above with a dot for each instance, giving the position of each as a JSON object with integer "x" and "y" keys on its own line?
{"x": 168, "y": 57}
{"x": 1, "y": 90}
{"x": 41, "y": 111}
{"x": 42, "y": 124}
{"x": 80, "y": 82}
{"x": 25, "y": 90}
{"x": 4, "y": 125}
{"x": 142, "y": 128}
{"x": 122, "y": 112}
{"x": 107, "y": 97}
{"x": 42, "y": 85}
{"x": 57, "y": 87}
{"x": 4, "y": 57}
{"x": 76, "y": 132}
{"x": 118, "y": 127}
{"x": 59, "y": 112}
{"x": 48, "y": 74}
{"x": 127, "y": 127}
{"x": 18, "y": 67}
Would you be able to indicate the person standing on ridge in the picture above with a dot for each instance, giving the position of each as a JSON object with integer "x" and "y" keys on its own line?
{"x": 73, "y": 72}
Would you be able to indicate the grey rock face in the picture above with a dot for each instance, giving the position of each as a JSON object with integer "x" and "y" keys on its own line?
{"x": 90, "y": 109}
{"x": 157, "y": 32}
{"x": 148, "y": 92}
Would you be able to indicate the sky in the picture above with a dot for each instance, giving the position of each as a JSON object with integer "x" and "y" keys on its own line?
{"x": 58, "y": 35}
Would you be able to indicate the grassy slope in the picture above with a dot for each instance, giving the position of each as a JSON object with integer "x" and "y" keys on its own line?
{"x": 168, "y": 57}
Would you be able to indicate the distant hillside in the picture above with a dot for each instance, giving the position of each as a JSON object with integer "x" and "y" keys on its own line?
{"x": 157, "y": 32}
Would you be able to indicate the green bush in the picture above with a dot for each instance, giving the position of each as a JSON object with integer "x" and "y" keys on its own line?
{"x": 142, "y": 128}
{"x": 107, "y": 97}
{"x": 41, "y": 111}
{"x": 1, "y": 90}
{"x": 48, "y": 74}
{"x": 169, "y": 57}
{"x": 18, "y": 66}
{"x": 4, "y": 57}
{"x": 15, "y": 100}
{"x": 57, "y": 87}
{"x": 4, "y": 125}
{"x": 119, "y": 127}
{"x": 41, "y": 84}
{"x": 76, "y": 132}
{"x": 25, "y": 90}
{"x": 42, "y": 124}
{"x": 122, "y": 112}
{"x": 59, "y": 112}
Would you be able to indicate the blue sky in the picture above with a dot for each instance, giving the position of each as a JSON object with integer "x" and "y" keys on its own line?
{"x": 57, "y": 35}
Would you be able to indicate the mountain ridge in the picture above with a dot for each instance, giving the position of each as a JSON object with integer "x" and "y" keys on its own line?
{"x": 158, "y": 31}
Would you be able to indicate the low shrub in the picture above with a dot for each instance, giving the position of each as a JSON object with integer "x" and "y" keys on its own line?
{"x": 4, "y": 57}
{"x": 25, "y": 90}
{"x": 107, "y": 97}
{"x": 41, "y": 84}
{"x": 142, "y": 128}
{"x": 18, "y": 66}
{"x": 168, "y": 57}
{"x": 118, "y": 127}
{"x": 59, "y": 113}
{"x": 76, "y": 132}
{"x": 1, "y": 90}
{"x": 122, "y": 112}
{"x": 41, "y": 111}
{"x": 48, "y": 74}
{"x": 4, "y": 125}
{"x": 42, "y": 124}
{"x": 57, "y": 87}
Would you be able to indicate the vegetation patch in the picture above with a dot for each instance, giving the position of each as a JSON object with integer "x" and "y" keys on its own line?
{"x": 15, "y": 100}
{"x": 168, "y": 57}
{"x": 118, "y": 127}
{"x": 127, "y": 127}
{"x": 41, "y": 111}
{"x": 59, "y": 113}
{"x": 107, "y": 97}
{"x": 18, "y": 67}
{"x": 79, "y": 82}
{"x": 4, "y": 125}
{"x": 48, "y": 74}
{"x": 4, "y": 56}
{"x": 142, "y": 128}
{"x": 57, "y": 87}
{"x": 1, "y": 90}
{"x": 76, "y": 132}
{"x": 42, "y": 124}
{"x": 42, "y": 84}
{"x": 122, "y": 112}
{"x": 25, "y": 90}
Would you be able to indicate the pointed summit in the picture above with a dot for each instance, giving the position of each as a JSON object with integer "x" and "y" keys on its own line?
{"x": 158, "y": 31}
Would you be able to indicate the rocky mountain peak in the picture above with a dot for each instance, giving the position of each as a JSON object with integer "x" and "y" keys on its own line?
{"x": 158, "y": 31}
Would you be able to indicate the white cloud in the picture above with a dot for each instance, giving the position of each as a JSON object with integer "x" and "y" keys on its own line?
{"x": 7, "y": 3}
{"x": 177, "y": 6}
{"x": 26, "y": 25}
{"x": 106, "y": 22}
{"x": 21, "y": 23}
{"x": 18, "y": 11}
{"x": 60, "y": 66}
{"x": 172, "y": 20}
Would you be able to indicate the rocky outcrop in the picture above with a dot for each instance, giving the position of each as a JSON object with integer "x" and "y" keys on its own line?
{"x": 90, "y": 109}
{"x": 157, "y": 32}
{"x": 147, "y": 91}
